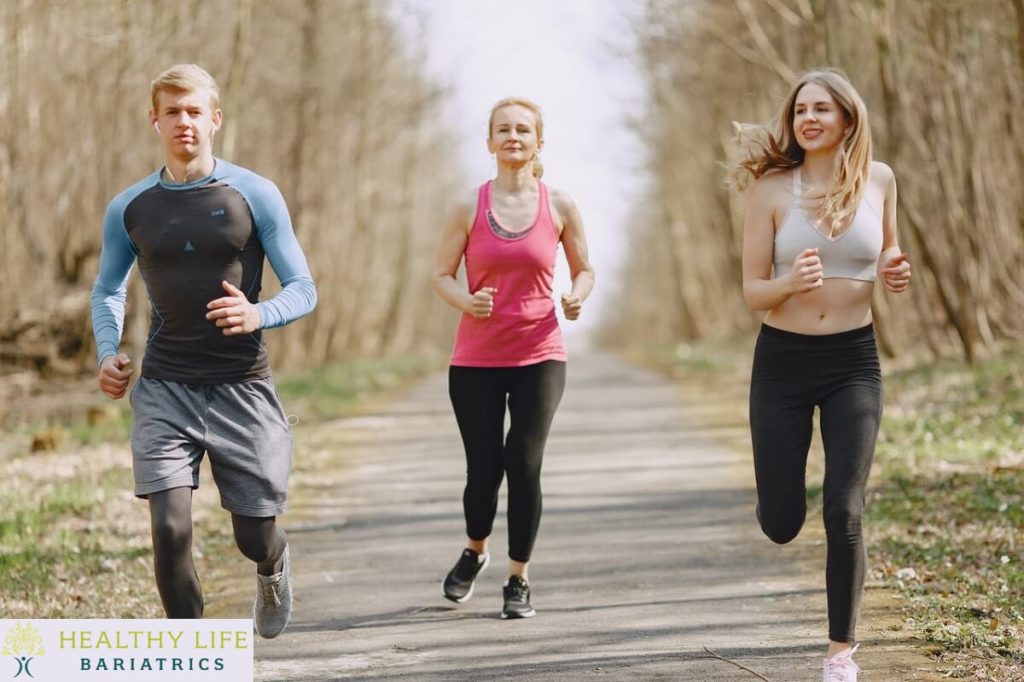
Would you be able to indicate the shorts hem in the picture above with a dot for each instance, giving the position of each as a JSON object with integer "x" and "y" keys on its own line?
{"x": 256, "y": 512}
{"x": 147, "y": 489}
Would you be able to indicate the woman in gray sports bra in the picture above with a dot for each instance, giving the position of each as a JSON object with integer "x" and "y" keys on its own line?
{"x": 820, "y": 227}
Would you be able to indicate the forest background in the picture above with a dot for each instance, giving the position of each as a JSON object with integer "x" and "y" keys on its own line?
{"x": 334, "y": 101}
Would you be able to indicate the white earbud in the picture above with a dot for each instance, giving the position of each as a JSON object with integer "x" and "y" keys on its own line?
{"x": 156, "y": 124}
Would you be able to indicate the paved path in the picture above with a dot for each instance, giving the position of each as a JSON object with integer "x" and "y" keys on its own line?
{"x": 648, "y": 552}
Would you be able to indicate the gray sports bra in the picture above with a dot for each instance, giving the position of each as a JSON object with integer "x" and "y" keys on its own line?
{"x": 852, "y": 255}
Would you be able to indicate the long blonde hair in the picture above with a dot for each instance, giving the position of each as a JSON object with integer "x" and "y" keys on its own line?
{"x": 765, "y": 152}
{"x": 538, "y": 168}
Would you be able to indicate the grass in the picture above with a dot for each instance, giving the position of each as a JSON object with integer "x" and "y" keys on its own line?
{"x": 946, "y": 510}
{"x": 74, "y": 542}
{"x": 945, "y": 515}
{"x": 333, "y": 390}
{"x": 59, "y": 552}
{"x": 115, "y": 427}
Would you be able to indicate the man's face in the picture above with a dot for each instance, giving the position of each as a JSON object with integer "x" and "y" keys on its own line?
{"x": 186, "y": 122}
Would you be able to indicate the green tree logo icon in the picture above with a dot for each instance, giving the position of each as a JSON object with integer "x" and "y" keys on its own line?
{"x": 23, "y": 642}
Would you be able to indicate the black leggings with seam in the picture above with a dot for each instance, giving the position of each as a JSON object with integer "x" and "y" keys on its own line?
{"x": 840, "y": 375}
{"x": 479, "y": 396}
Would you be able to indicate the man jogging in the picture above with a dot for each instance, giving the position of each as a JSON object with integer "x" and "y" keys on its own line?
{"x": 199, "y": 229}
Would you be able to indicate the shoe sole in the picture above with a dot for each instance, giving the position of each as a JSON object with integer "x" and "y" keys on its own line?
{"x": 461, "y": 600}
{"x": 513, "y": 616}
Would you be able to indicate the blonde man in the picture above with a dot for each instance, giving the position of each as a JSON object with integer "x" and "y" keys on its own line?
{"x": 199, "y": 229}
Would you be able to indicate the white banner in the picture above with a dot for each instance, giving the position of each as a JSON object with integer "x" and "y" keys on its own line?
{"x": 138, "y": 650}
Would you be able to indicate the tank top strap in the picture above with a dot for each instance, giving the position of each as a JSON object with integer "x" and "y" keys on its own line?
{"x": 544, "y": 213}
{"x": 798, "y": 188}
{"x": 483, "y": 203}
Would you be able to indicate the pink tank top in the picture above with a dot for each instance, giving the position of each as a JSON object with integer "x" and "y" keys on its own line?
{"x": 522, "y": 329}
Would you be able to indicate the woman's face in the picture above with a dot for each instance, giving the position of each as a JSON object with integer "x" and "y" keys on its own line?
{"x": 514, "y": 135}
{"x": 819, "y": 123}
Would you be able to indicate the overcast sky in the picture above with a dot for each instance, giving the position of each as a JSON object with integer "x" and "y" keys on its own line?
{"x": 570, "y": 57}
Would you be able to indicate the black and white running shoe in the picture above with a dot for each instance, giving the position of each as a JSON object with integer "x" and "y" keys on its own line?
{"x": 517, "y": 598}
{"x": 458, "y": 584}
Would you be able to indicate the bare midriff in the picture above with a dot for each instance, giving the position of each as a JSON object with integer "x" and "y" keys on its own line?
{"x": 839, "y": 305}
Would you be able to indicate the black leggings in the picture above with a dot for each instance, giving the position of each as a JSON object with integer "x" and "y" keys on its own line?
{"x": 170, "y": 511}
{"x": 838, "y": 373}
{"x": 479, "y": 397}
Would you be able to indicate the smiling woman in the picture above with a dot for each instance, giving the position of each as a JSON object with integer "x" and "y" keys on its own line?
{"x": 820, "y": 225}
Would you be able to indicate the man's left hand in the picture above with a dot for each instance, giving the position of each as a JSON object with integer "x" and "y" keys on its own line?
{"x": 233, "y": 313}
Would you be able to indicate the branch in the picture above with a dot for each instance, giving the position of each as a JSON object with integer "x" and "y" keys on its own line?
{"x": 737, "y": 46}
{"x": 738, "y": 665}
{"x": 763, "y": 43}
{"x": 788, "y": 15}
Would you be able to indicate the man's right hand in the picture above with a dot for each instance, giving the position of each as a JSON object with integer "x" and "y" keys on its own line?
{"x": 115, "y": 371}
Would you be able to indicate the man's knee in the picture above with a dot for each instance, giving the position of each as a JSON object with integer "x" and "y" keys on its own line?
{"x": 256, "y": 550}
{"x": 172, "y": 534}
{"x": 257, "y": 539}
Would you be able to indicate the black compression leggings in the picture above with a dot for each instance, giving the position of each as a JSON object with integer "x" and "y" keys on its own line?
{"x": 838, "y": 373}
{"x": 479, "y": 396}
{"x": 259, "y": 539}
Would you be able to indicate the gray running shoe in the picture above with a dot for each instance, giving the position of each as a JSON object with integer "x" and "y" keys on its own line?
{"x": 273, "y": 606}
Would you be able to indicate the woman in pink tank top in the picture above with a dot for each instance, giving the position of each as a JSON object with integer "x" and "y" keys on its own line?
{"x": 508, "y": 347}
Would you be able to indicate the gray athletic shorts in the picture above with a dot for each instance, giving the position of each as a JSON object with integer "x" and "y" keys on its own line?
{"x": 242, "y": 426}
